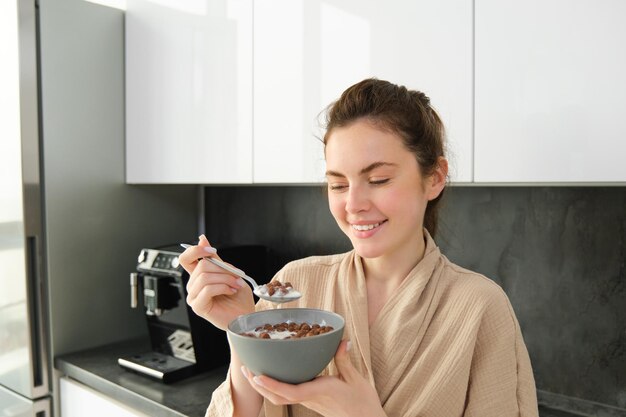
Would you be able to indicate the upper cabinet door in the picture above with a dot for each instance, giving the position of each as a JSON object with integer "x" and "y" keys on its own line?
{"x": 189, "y": 91}
{"x": 550, "y": 95}
{"x": 307, "y": 52}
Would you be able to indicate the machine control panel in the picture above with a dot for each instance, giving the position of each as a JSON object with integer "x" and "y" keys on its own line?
{"x": 154, "y": 260}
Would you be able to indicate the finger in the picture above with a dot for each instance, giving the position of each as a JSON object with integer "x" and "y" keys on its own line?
{"x": 275, "y": 398}
{"x": 250, "y": 377}
{"x": 205, "y": 279}
{"x": 218, "y": 267}
{"x": 343, "y": 362}
{"x": 189, "y": 258}
{"x": 204, "y": 266}
{"x": 202, "y": 278}
{"x": 293, "y": 394}
{"x": 208, "y": 293}
{"x": 258, "y": 383}
{"x": 203, "y": 241}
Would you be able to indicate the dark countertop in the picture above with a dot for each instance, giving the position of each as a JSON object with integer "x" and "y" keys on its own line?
{"x": 98, "y": 369}
{"x": 549, "y": 412}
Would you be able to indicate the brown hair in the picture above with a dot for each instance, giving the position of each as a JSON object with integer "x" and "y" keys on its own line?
{"x": 407, "y": 113}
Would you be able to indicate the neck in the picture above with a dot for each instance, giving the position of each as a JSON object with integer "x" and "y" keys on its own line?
{"x": 383, "y": 275}
{"x": 388, "y": 271}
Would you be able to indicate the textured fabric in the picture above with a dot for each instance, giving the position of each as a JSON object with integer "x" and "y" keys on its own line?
{"x": 446, "y": 344}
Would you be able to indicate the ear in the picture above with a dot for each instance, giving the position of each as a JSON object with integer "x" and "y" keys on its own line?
{"x": 437, "y": 181}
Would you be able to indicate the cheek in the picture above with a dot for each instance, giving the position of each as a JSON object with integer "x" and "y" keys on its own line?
{"x": 395, "y": 200}
{"x": 403, "y": 201}
{"x": 336, "y": 206}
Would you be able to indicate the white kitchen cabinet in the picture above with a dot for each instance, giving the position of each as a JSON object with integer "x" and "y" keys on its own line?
{"x": 229, "y": 92}
{"x": 77, "y": 400}
{"x": 306, "y": 52}
{"x": 550, "y": 91}
{"x": 189, "y": 91}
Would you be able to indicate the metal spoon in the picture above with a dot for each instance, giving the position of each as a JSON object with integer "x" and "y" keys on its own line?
{"x": 257, "y": 289}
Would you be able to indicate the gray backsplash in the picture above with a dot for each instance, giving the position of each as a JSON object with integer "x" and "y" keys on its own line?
{"x": 558, "y": 252}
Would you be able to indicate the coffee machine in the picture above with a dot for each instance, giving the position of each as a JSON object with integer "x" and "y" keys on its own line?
{"x": 182, "y": 343}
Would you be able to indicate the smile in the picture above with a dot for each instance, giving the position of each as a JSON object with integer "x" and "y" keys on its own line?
{"x": 365, "y": 227}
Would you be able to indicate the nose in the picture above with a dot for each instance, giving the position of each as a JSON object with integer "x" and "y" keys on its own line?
{"x": 357, "y": 200}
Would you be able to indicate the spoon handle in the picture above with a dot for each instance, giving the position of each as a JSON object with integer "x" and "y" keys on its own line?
{"x": 227, "y": 268}
{"x": 233, "y": 271}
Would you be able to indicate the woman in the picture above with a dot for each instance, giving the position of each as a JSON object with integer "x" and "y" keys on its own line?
{"x": 424, "y": 337}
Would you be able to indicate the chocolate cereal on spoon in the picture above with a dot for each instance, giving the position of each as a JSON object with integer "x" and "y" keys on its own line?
{"x": 277, "y": 289}
{"x": 274, "y": 291}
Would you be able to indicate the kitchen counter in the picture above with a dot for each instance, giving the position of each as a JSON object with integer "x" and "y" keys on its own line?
{"x": 98, "y": 369}
{"x": 549, "y": 412}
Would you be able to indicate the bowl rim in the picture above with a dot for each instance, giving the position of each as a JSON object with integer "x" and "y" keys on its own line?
{"x": 232, "y": 333}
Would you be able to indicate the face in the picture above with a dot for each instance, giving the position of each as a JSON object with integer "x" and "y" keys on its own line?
{"x": 375, "y": 190}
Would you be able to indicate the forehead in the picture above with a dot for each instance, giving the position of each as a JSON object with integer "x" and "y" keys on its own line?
{"x": 361, "y": 143}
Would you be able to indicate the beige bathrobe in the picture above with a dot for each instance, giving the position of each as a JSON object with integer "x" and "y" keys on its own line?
{"x": 446, "y": 344}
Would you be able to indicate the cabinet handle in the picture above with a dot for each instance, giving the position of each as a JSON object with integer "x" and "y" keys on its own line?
{"x": 133, "y": 290}
{"x": 36, "y": 305}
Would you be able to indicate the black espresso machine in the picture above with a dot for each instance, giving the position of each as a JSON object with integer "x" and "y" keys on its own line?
{"x": 182, "y": 343}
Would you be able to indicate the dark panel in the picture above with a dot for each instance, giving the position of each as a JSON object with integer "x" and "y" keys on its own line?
{"x": 560, "y": 255}
{"x": 293, "y": 222}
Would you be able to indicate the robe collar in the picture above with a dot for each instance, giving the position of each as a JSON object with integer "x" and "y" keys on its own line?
{"x": 406, "y": 309}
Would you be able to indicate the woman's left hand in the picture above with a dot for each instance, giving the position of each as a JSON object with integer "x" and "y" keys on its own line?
{"x": 348, "y": 394}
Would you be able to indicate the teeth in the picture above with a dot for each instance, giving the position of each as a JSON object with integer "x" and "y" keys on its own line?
{"x": 364, "y": 227}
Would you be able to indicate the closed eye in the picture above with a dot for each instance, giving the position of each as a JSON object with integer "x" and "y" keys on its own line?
{"x": 379, "y": 182}
{"x": 337, "y": 187}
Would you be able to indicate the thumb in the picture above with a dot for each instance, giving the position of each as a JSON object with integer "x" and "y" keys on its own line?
{"x": 203, "y": 241}
{"x": 342, "y": 360}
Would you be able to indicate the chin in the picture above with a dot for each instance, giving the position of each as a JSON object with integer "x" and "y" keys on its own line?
{"x": 368, "y": 253}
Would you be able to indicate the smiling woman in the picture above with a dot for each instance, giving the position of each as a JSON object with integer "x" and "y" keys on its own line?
{"x": 398, "y": 113}
{"x": 457, "y": 349}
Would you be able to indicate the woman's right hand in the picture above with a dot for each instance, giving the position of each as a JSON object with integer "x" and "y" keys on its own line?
{"x": 213, "y": 293}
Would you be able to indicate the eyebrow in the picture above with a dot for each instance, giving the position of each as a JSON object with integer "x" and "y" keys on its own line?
{"x": 365, "y": 170}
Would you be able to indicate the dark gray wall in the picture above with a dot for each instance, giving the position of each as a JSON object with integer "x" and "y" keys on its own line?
{"x": 560, "y": 255}
{"x": 558, "y": 252}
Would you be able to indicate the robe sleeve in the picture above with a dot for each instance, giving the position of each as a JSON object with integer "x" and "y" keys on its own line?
{"x": 501, "y": 378}
{"x": 222, "y": 400}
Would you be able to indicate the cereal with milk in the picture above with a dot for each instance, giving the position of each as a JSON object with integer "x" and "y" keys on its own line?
{"x": 288, "y": 330}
